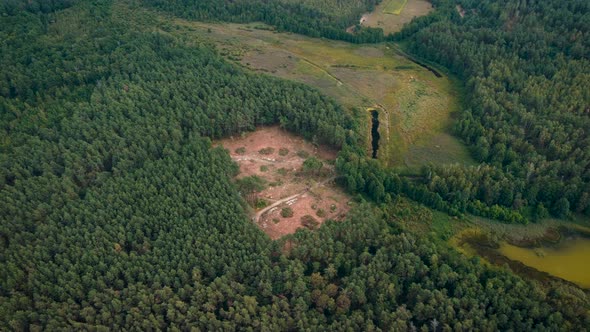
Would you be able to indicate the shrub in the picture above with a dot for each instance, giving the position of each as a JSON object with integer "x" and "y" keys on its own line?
{"x": 249, "y": 186}
{"x": 266, "y": 151}
{"x": 241, "y": 150}
{"x": 309, "y": 222}
{"x": 277, "y": 183}
{"x": 283, "y": 152}
{"x": 303, "y": 154}
{"x": 287, "y": 212}
{"x": 312, "y": 165}
{"x": 320, "y": 213}
{"x": 261, "y": 203}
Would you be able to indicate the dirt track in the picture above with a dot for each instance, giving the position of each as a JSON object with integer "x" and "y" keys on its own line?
{"x": 286, "y": 199}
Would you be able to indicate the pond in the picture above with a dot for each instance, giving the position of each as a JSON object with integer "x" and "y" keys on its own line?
{"x": 568, "y": 260}
{"x": 375, "y": 132}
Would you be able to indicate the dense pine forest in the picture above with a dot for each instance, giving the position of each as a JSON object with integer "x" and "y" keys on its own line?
{"x": 117, "y": 213}
{"x": 526, "y": 65}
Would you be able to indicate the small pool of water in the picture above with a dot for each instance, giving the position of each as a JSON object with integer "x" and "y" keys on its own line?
{"x": 569, "y": 260}
{"x": 375, "y": 132}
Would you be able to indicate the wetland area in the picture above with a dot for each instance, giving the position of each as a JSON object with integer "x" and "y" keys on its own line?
{"x": 561, "y": 253}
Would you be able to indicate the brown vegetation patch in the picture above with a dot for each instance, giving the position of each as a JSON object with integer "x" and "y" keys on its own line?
{"x": 372, "y": 52}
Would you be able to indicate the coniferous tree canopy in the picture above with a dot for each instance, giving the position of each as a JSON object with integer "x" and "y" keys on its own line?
{"x": 526, "y": 65}
{"x": 116, "y": 213}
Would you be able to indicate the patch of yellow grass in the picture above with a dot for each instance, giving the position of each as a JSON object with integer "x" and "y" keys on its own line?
{"x": 395, "y": 7}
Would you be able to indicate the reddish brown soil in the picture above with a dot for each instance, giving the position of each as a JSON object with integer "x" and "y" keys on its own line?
{"x": 322, "y": 197}
{"x": 284, "y": 177}
{"x": 280, "y": 185}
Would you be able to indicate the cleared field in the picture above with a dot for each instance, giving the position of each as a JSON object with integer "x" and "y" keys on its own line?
{"x": 415, "y": 106}
{"x": 277, "y": 157}
{"x": 388, "y": 17}
{"x": 394, "y": 6}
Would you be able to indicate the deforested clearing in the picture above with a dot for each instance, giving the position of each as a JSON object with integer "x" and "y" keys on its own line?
{"x": 279, "y": 159}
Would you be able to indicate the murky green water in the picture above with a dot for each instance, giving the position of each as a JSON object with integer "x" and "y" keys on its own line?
{"x": 569, "y": 261}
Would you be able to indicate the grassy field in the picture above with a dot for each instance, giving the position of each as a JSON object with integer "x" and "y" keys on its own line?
{"x": 392, "y": 15}
{"x": 394, "y": 6}
{"x": 415, "y": 107}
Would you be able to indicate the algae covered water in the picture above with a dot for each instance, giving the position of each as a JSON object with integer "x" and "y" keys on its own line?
{"x": 568, "y": 261}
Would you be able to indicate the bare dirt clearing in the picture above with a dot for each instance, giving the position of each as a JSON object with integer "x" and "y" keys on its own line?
{"x": 277, "y": 156}
{"x": 322, "y": 202}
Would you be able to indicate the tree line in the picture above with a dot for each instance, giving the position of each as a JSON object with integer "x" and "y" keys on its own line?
{"x": 314, "y": 18}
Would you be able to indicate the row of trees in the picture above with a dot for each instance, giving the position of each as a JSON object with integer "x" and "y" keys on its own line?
{"x": 315, "y": 18}
{"x": 13, "y": 7}
{"x": 455, "y": 192}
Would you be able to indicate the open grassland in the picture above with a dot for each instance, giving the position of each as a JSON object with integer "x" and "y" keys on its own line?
{"x": 415, "y": 107}
{"x": 393, "y": 20}
{"x": 394, "y": 6}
